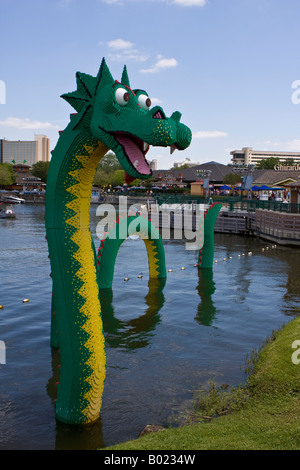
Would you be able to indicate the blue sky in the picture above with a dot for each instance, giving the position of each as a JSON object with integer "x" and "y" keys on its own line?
{"x": 227, "y": 65}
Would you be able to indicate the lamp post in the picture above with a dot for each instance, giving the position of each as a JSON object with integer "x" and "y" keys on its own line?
{"x": 205, "y": 174}
{"x": 247, "y": 178}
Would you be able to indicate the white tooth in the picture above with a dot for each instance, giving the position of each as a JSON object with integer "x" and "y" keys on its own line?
{"x": 172, "y": 148}
{"x": 145, "y": 146}
{"x": 136, "y": 164}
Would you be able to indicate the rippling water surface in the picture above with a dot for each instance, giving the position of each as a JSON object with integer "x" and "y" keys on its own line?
{"x": 162, "y": 342}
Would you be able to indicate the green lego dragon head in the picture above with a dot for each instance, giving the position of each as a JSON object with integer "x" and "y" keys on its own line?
{"x": 124, "y": 121}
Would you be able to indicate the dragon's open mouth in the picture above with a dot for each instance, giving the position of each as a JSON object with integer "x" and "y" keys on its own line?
{"x": 135, "y": 150}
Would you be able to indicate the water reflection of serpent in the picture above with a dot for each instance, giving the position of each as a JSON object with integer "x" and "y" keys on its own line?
{"x": 135, "y": 333}
{"x": 206, "y": 288}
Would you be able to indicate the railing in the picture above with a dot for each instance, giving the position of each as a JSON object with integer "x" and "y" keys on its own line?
{"x": 230, "y": 203}
{"x": 278, "y": 225}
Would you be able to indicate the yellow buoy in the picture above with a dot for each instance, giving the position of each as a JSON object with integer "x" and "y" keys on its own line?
{"x": 25, "y": 301}
{"x": 126, "y": 278}
{"x": 224, "y": 259}
{"x": 182, "y": 268}
{"x": 170, "y": 270}
{"x": 140, "y": 276}
{"x": 216, "y": 261}
{"x": 1, "y": 307}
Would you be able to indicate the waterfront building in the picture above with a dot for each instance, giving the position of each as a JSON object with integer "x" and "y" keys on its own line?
{"x": 26, "y": 152}
{"x": 248, "y": 156}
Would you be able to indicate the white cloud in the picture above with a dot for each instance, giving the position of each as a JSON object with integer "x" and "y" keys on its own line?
{"x": 184, "y": 3}
{"x": 155, "y": 101}
{"x": 26, "y": 124}
{"x": 123, "y": 50}
{"x": 119, "y": 43}
{"x": 209, "y": 134}
{"x": 190, "y": 3}
{"x": 112, "y": 2}
{"x": 160, "y": 65}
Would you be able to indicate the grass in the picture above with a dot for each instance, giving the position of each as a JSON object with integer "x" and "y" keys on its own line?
{"x": 262, "y": 415}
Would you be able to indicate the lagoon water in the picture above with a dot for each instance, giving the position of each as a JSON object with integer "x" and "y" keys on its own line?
{"x": 162, "y": 342}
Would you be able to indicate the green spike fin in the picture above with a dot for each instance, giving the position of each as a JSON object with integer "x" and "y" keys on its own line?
{"x": 104, "y": 76}
{"x": 86, "y": 84}
{"x": 76, "y": 100}
{"x": 125, "y": 78}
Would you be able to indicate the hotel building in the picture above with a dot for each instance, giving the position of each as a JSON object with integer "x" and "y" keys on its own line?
{"x": 248, "y": 156}
{"x": 25, "y": 151}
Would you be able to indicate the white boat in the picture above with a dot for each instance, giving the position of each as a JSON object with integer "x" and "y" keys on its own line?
{"x": 14, "y": 199}
{"x": 6, "y": 211}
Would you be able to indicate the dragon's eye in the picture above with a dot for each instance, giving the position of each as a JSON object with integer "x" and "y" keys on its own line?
{"x": 144, "y": 101}
{"x": 122, "y": 96}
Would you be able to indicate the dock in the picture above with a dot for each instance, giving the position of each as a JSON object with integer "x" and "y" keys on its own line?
{"x": 279, "y": 227}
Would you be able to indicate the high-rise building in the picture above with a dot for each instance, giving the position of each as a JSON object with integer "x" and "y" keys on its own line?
{"x": 28, "y": 152}
{"x": 248, "y": 156}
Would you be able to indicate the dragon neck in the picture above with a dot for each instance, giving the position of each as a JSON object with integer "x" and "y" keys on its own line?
{"x": 76, "y": 323}
{"x": 71, "y": 174}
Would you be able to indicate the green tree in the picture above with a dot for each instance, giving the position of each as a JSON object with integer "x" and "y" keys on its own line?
{"x": 268, "y": 163}
{"x": 7, "y": 174}
{"x": 289, "y": 162}
{"x": 109, "y": 163}
{"x": 101, "y": 178}
{"x": 117, "y": 178}
{"x": 40, "y": 170}
{"x": 232, "y": 178}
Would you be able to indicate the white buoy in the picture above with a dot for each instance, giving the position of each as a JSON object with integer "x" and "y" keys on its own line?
{"x": 183, "y": 268}
{"x": 140, "y": 276}
{"x": 170, "y": 270}
{"x": 126, "y": 278}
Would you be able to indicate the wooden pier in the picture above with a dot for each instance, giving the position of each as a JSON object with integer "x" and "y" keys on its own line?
{"x": 282, "y": 228}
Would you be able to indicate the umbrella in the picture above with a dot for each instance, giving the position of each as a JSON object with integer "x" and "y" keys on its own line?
{"x": 255, "y": 188}
{"x": 141, "y": 187}
{"x": 118, "y": 187}
{"x": 225, "y": 187}
{"x": 264, "y": 188}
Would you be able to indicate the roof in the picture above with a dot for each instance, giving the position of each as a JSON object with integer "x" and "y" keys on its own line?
{"x": 218, "y": 172}
{"x": 271, "y": 177}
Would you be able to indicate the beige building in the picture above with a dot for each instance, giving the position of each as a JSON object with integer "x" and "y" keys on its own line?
{"x": 42, "y": 148}
{"x": 248, "y": 156}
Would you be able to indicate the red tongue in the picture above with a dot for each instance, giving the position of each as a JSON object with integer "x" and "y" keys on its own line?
{"x": 128, "y": 178}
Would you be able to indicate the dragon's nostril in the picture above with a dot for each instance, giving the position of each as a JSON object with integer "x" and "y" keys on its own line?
{"x": 158, "y": 115}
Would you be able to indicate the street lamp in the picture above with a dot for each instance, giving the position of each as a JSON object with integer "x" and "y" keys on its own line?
{"x": 205, "y": 174}
{"x": 247, "y": 179}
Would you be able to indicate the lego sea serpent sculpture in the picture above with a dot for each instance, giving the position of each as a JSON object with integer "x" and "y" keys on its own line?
{"x": 110, "y": 115}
